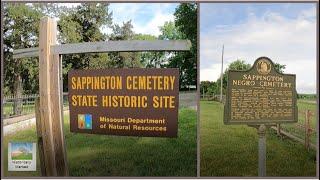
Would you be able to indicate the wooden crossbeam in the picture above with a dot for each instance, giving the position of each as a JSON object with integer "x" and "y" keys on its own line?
{"x": 122, "y": 46}
{"x": 23, "y": 53}
{"x": 109, "y": 46}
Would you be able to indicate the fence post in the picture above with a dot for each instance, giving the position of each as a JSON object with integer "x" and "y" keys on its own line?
{"x": 278, "y": 129}
{"x": 50, "y": 103}
{"x": 203, "y": 93}
{"x": 17, "y": 103}
{"x": 307, "y": 127}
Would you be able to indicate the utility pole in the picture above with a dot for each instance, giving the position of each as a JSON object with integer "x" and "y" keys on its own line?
{"x": 221, "y": 76}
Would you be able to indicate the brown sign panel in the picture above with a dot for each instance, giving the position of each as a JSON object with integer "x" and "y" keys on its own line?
{"x": 126, "y": 102}
{"x": 260, "y": 95}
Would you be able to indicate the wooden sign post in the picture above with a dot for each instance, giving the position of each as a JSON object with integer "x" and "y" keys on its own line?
{"x": 49, "y": 115}
{"x": 261, "y": 97}
{"x": 50, "y": 101}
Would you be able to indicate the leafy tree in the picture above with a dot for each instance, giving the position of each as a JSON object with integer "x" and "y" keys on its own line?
{"x": 204, "y": 86}
{"x": 243, "y": 66}
{"x": 21, "y": 23}
{"x": 50, "y": 9}
{"x": 208, "y": 88}
{"x": 21, "y": 30}
{"x": 83, "y": 24}
{"x": 238, "y": 65}
{"x": 123, "y": 32}
{"x": 186, "y": 22}
{"x": 279, "y": 67}
{"x": 150, "y": 59}
{"x": 235, "y": 65}
{"x": 124, "y": 59}
{"x": 184, "y": 27}
{"x": 213, "y": 88}
{"x": 170, "y": 32}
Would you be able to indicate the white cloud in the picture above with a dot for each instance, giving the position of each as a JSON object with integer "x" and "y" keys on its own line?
{"x": 69, "y": 5}
{"x": 140, "y": 15}
{"x": 152, "y": 27}
{"x": 210, "y": 73}
{"x": 284, "y": 40}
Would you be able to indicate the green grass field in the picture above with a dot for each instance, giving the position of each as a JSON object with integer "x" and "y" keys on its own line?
{"x": 27, "y": 156}
{"x": 232, "y": 150}
{"x": 101, "y": 155}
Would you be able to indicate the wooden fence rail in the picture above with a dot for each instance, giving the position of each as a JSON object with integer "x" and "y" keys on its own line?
{"x": 306, "y": 127}
{"x": 212, "y": 97}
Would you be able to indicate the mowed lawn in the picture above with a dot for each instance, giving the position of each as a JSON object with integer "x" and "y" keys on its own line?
{"x": 232, "y": 150}
{"x": 102, "y": 155}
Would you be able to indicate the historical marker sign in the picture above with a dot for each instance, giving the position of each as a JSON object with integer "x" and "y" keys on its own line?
{"x": 260, "y": 95}
{"x": 128, "y": 102}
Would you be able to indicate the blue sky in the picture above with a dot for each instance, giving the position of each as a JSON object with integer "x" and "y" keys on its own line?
{"x": 16, "y": 145}
{"x": 285, "y": 32}
{"x": 220, "y": 13}
{"x": 146, "y": 17}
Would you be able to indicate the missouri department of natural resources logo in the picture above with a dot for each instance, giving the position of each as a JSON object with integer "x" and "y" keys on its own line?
{"x": 84, "y": 121}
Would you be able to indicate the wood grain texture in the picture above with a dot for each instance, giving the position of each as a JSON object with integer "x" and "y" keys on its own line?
{"x": 123, "y": 46}
{"x": 109, "y": 46}
{"x": 50, "y": 101}
{"x": 40, "y": 137}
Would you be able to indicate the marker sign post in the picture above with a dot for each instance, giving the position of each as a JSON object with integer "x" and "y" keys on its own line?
{"x": 125, "y": 102}
{"x": 261, "y": 97}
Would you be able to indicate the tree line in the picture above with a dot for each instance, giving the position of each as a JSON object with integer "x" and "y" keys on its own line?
{"x": 86, "y": 23}
{"x": 213, "y": 87}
